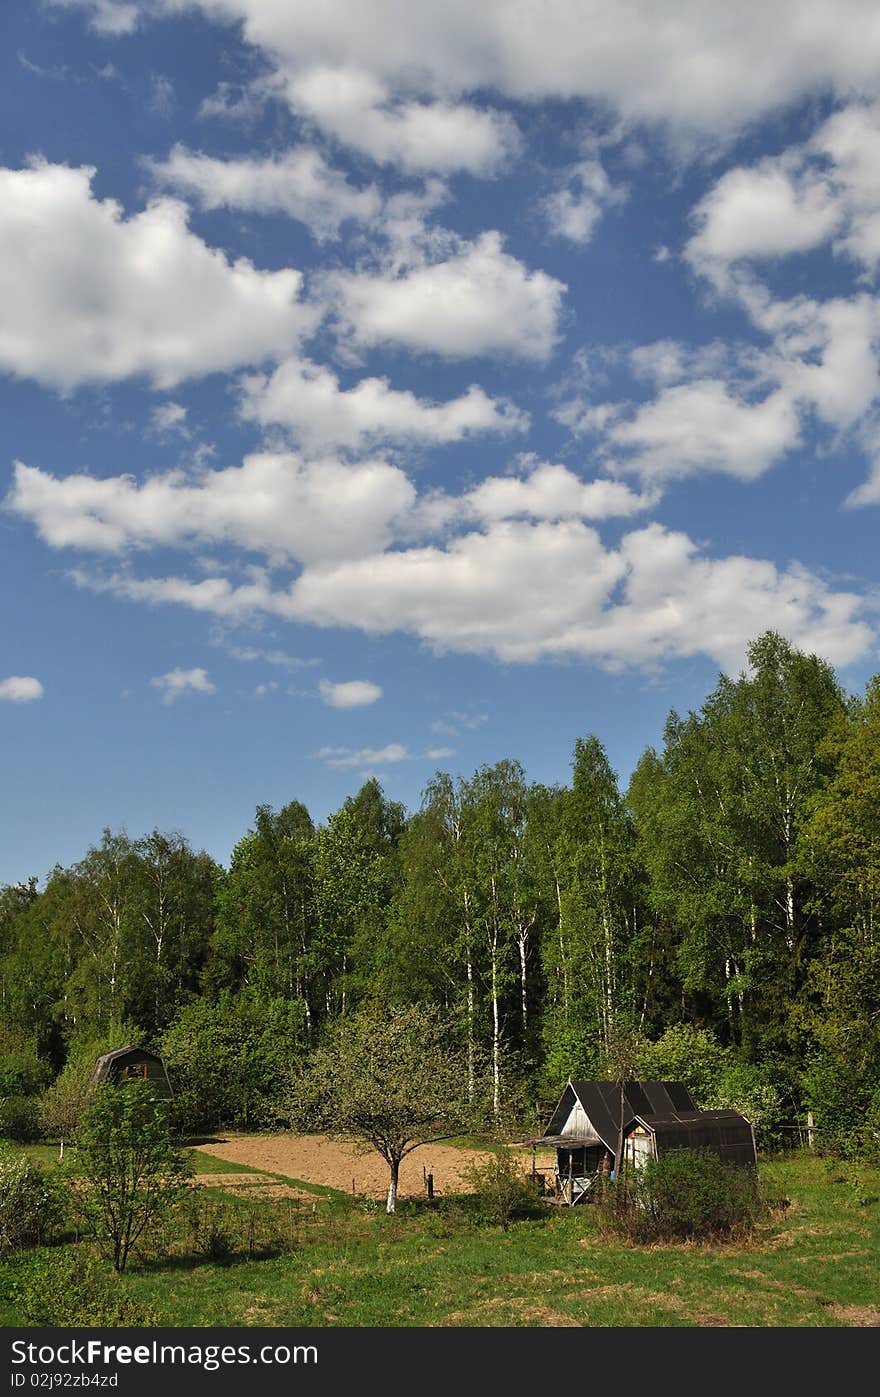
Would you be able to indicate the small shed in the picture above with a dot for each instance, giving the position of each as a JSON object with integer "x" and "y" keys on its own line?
{"x": 132, "y": 1064}
{"x": 585, "y": 1126}
{"x": 725, "y": 1133}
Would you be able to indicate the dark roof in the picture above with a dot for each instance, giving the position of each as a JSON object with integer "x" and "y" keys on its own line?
{"x": 105, "y": 1063}
{"x": 726, "y": 1133}
{"x": 601, "y": 1103}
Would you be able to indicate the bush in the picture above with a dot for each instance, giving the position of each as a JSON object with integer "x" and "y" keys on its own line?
{"x": 32, "y": 1204}
{"x": 63, "y": 1104}
{"x": 684, "y": 1196}
{"x": 845, "y": 1110}
{"x": 22, "y": 1073}
{"x": 504, "y": 1190}
{"x": 68, "y": 1288}
{"x": 230, "y": 1062}
{"x": 20, "y": 1119}
{"x": 133, "y": 1169}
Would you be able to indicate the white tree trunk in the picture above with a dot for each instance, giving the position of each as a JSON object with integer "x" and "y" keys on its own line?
{"x": 391, "y": 1205}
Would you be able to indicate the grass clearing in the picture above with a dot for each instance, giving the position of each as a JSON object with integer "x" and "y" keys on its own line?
{"x": 343, "y": 1262}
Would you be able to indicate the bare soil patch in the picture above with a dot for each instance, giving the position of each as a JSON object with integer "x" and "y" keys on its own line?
{"x": 251, "y": 1185}
{"x": 857, "y": 1316}
{"x": 341, "y": 1164}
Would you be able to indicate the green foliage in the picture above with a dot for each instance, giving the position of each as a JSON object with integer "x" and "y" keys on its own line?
{"x": 505, "y": 1191}
{"x": 132, "y": 1168}
{"x": 391, "y": 1077}
{"x": 844, "y": 1104}
{"x": 32, "y": 1203}
{"x": 230, "y": 1062}
{"x": 20, "y": 1119}
{"x": 728, "y": 905}
{"x": 685, "y": 1053}
{"x": 68, "y": 1288}
{"x": 685, "y": 1196}
{"x": 22, "y": 1073}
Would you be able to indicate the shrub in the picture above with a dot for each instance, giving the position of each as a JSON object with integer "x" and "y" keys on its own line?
{"x": 230, "y": 1062}
{"x": 67, "y": 1287}
{"x": 685, "y": 1195}
{"x": 32, "y": 1204}
{"x": 20, "y": 1119}
{"x": 504, "y": 1190}
{"x": 22, "y": 1073}
{"x": 63, "y": 1104}
{"x": 134, "y": 1172}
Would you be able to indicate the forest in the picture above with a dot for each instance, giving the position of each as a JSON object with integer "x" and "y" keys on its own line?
{"x": 720, "y": 915}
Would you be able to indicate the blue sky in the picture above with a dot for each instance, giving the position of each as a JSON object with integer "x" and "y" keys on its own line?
{"x": 391, "y": 387}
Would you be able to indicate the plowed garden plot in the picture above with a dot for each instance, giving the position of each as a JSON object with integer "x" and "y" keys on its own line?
{"x": 317, "y": 1159}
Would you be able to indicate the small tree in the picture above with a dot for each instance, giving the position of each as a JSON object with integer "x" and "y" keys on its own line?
{"x": 392, "y": 1078}
{"x": 132, "y": 1169}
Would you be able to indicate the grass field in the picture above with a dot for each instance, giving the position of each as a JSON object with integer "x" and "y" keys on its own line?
{"x": 343, "y": 1262}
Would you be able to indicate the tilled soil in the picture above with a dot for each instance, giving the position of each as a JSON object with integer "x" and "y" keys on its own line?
{"x": 341, "y": 1164}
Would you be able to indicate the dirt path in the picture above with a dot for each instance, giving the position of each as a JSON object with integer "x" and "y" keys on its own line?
{"x": 316, "y": 1159}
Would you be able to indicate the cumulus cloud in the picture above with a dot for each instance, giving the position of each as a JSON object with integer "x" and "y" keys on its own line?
{"x": 289, "y": 509}
{"x": 417, "y": 136}
{"x": 182, "y": 681}
{"x": 299, "y": 183}
{"x": 826, "y": 189}
{"x": 274, "y": 504}
{"x": 480, "y": 300}
{"x": 90, "y": 295}
{"x": 20, "y": 688}
{"x": 364, "y": 756}
{"x": 705, "y": 426}
{"x": 308, "y": 399}
{"x": 351, "y": 693}
{"x": 700, "y": 70}
{"x": 652, "y": 598}
{"x": 575, "y": 207}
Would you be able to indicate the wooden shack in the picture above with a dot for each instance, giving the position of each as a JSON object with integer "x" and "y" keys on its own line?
{"x": 726, "y": 1133}
{"x": 585, "y": 1126}
{"x": 132, "y": 1064}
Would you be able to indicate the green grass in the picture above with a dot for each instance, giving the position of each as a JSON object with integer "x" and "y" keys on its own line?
{"x": 814, "y": 1265}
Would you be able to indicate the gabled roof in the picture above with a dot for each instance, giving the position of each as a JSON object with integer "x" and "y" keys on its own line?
{"x": 601, "y": 1105}
{"x": 105, "y": 1062}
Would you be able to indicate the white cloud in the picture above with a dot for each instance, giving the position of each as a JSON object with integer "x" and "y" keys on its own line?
{"x": 652, "y": 599}
{"x": 113, "y": 17}
{"x": 545, "y": 491}
{"x": 364, "y": 756}
{"x": 182, "y": 681}
{"x": 89, "y": 295}
{"x": 573, "y": 210}
{"x": 307, "y": 399}
{"x": 351, "y": 693}
{"x": 765, "y": 211}
{"x": 417, "y": 136}
{"x": 299, "y": 183}
{"x": 478, "y": 301}
{"x": 274, "y": 504}
{"x": 526, "y": 592}
{"x": 824, "y": 190}
{"x": 20, "y": 688}
{"x": 169, "y": 417}
{"x": 696, "y": 68}
{"x": 704, "y": 426}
